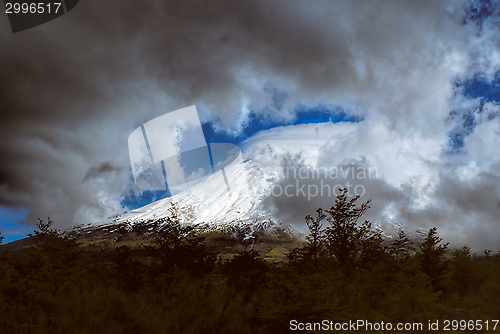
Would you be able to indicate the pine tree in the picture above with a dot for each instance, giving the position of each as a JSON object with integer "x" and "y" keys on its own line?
{"x": 52, "y": 259}
{"x": 344, "y": 236}
{"x": 462, "y": 270}
{"x": 316, "y": 237}
{"x": 399, "y": 247}
{"x": 179, "y": 245}
{"x": 430, "y": 256}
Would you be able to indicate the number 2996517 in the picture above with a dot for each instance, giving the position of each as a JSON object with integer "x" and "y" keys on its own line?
{"x": 38, "y": 8}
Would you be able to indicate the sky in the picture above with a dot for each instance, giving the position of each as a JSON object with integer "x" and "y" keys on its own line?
{"x": 418, "y": 82}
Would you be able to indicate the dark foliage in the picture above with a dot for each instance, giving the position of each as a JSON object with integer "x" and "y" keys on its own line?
{"x": 344, "y": 272}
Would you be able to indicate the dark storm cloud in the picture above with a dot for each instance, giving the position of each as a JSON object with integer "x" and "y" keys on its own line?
{"x": 72, "y": 90}
{"x": 412, "y": 182}
{"x": 100, "y": 170}
{"x": 464, "y": 212}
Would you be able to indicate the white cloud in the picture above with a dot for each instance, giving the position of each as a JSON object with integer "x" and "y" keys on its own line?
{"x": 393, "y": 63}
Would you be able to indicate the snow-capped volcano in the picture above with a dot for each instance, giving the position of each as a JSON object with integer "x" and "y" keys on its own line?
{"x": 210, "y": 201}
{"x": 260, "y": 187}
{"x": 321, "y": 157}
{"x": 250, "y": 181}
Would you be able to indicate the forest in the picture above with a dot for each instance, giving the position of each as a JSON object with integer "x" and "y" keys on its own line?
{"x": 344, "y": 270}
